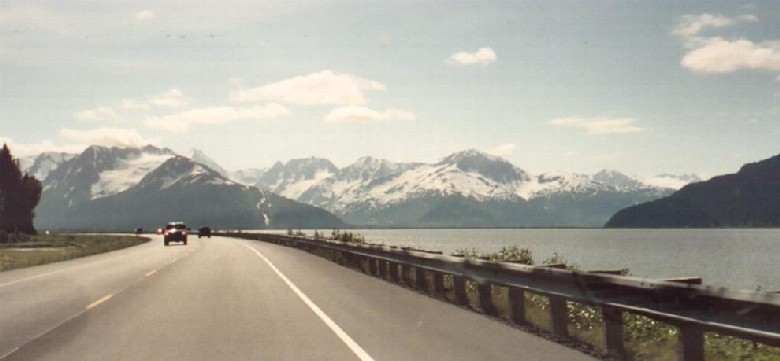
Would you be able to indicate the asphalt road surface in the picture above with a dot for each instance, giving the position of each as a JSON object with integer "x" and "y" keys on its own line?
{"x": 229, "y": 299}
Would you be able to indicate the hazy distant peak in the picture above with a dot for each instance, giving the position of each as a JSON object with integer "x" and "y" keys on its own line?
{"x": 197, "y": 155}
{"x": 615, "y": 179}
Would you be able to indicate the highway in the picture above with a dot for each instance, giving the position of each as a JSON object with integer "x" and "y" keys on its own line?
{"x": 229, "y": 299}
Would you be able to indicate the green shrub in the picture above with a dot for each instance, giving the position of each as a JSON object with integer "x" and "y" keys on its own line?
{"x": 347, "y": 237}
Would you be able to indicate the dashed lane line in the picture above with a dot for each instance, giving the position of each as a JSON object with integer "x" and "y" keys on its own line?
{"x": 98, "y": 302}
{"x": 77, "y": 314}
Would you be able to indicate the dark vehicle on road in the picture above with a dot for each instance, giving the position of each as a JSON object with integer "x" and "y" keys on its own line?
{"x": 204, "y": 232}
{"x": 175, "y": 232}
{"x": 139, "y": 231}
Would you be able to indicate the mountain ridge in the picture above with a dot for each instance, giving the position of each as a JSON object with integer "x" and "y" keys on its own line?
{"x": 748, "y": 198}
{"x": 486, "y": 190}
{"x": 110, "y": 189}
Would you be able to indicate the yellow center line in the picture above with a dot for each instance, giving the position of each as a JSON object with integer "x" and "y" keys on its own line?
{"x": 98, "y": 302}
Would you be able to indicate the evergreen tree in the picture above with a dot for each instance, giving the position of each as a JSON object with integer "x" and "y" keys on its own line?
{"x": 19, "y": 194}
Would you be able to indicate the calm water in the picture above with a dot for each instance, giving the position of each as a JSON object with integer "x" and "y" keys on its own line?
{"x": 733, "y": 258}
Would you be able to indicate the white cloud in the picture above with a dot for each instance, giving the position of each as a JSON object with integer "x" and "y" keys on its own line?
{"x": 97, "y": 114}
{"x": 19, "y": 150}
{"x": 131, "y": 104}
{"x": 322, "y": 88}
{"x": 717, "y": 55}
{"x": 110, "y": 137}
{"x": 483, "y": 56}
{"x": 182, "y": 121}
{"x": 748, "y": 18}
{"x": 690, "y": 25}
{"x": 144, "y": 15}
{"x": 599, "y": 126}
{"x": 358, "y": 114}
{"x": 173, "y": 98}
{"x": 502, "y": 150}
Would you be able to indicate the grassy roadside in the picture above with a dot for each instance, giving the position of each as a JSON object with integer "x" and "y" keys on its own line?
{"x": 43, "y": 249}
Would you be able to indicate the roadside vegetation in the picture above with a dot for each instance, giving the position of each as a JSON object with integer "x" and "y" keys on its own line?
{"x": 644, "y": 338}
{"x": 19, "y": 194}
{"x": 19, "y": 250}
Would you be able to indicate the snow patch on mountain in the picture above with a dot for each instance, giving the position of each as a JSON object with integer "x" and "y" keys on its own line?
{"x": 249, "y": 176}
{"x": 41, "y": 165}
{"x": 673, "y": 181}
{"x": 126, "y": 173}
{"x": 372, "y": 183}
{"x": 294, "y": 190}
{"x": 198, "y": 156}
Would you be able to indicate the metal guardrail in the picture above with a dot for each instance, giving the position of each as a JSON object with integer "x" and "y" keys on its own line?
{"x": 693, "y": 308}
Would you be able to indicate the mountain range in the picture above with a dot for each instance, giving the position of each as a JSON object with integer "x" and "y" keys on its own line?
{"x": 465, "y": 189}
{"x": 112, "y": 187}
{"x": 108, "y": 189}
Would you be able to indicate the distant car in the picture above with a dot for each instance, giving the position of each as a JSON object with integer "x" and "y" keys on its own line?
{"x": 204, "y": 232}
{"x": 175, "y": 232}
{"x": 139, "y": 231}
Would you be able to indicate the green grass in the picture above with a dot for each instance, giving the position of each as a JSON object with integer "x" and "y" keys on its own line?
{"x": 43, "y": 249}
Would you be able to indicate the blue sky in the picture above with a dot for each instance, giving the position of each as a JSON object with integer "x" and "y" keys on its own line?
{"x": 642, "y": 87}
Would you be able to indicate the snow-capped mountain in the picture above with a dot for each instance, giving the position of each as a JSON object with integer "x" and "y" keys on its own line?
{"x": 249, "y": 176}
{"x": 362, "y": 191}
{"x": 41, "y": 165}
{"x": 465, "y": 189}
{"x": 101, "y": 171}
{"x": 124, "y": 188}
{"x": 197, "y": 155}
{"x": 673, "y": 181}
{"x": 296, "y": 176}
{"x": 180, "y": 171}
{"x": 617, "y": 180}
{"x": 471, "y": 174}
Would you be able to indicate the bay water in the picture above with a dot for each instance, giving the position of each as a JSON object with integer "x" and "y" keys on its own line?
{"x": 747, "y": 259}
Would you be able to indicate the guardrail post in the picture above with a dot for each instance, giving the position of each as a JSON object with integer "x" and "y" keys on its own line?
{"x": 406, "y": 274}
{"x": 486, "y": 298}
{"x": 358, "y": 262}
{"x": 517, "y": 305}
{"x": 690, "y": 345}
{"x": 382, "y": 268}
{"x": 438, "y": 283}
{"x": 612, "y": 328}
{"x": 394, "y": 271}
{"x": 372, "y": 267}
{"x": 419, "y": 279}
{"x": 459, "y": 284}
{"x": 559, "y": 316}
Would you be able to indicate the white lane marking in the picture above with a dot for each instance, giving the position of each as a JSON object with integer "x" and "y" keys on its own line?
{"x": 150, "y": 273}
{"x": 98, "y": 302}
{"x": 87, "y": 308}
{"x": 356, "y": 349}
{"x": 108, "y": 259}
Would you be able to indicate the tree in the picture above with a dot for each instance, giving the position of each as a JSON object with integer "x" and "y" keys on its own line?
{"x": 19, "y": 194}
